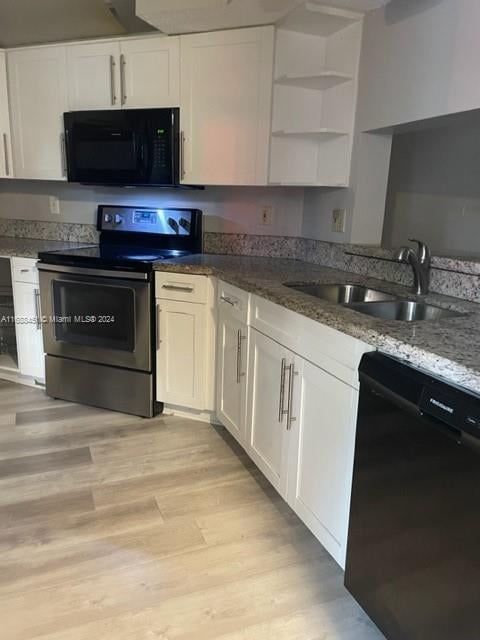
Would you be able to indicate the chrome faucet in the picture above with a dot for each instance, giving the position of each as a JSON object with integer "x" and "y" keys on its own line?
{"x": 420, "y": 262}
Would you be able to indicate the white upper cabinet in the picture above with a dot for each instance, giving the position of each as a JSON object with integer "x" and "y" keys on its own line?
{"x": 225, "y": 100}
{"x": 94, "y": 76}
{"x": 132, "y": 73}
{"x": 38, "y": 100}
{"x": 6, "y": 167}
{"x": 150, "y": 72}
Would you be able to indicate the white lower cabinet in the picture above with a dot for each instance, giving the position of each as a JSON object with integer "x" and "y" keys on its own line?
{"x": 181, "y": 353}
{"x": 28, "y": 328}
{"x": 321, "y": 454}
{"x": 232, "y": 359}
{"x": 185, "y": 341}
{"x": 267, "y": 435}
{"x": 231, "y": 373}
{"x": 301, "y": 434}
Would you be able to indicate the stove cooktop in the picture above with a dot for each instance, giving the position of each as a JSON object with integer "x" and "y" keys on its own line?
{"x": 133, "y": 238}
{"x": 112, "y": 256}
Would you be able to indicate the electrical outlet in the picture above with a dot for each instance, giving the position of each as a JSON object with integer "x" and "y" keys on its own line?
{"x": 266, "y": 214}
{"x": 338, "y": 220}
{"x": 54, "y": 206}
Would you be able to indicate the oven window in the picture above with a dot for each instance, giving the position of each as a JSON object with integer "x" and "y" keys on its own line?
{"x": 94, "y": 315}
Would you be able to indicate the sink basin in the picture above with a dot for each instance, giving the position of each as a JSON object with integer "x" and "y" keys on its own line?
{"x": 404, "y": 310}
{"x": 342, "y": 293}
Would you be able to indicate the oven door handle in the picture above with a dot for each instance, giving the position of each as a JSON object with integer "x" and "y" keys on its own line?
{"x": 93, "y": 272}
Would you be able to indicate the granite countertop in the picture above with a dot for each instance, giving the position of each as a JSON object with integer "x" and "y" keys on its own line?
{"x": 30, "y": 248}
{"x": 449, "y": 348}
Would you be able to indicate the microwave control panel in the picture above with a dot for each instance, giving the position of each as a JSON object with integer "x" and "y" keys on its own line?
{"x": 160, "y": 149}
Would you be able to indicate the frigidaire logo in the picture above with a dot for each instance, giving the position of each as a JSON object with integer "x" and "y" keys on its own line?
{"x": 440, "y": 405}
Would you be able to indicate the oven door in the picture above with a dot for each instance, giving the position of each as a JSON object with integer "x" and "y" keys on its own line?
{"x": 97, "y": 315}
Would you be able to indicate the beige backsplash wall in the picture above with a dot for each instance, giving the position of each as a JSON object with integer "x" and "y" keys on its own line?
{"x": 226, "y": 209}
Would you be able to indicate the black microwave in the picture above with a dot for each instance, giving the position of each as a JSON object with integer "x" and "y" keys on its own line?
{"x": 131, "y": 147}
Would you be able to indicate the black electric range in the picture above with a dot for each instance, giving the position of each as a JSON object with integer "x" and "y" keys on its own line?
{"x": 134, "y": 238}
{"x": 98, "y": 307}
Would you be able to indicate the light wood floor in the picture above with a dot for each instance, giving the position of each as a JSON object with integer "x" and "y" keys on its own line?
{"x": 119, "y": 528}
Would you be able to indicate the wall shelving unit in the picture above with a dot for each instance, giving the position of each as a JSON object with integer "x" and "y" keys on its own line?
{"x": 314, "y": 97}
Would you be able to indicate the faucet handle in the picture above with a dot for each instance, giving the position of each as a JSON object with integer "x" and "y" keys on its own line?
{"x": 424, "y": 254}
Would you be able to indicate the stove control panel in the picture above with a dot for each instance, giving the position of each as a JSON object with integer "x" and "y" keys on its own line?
{"x": 172, "y": 222}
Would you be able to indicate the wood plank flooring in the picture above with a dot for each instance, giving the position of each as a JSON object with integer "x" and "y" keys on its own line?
{"x": 119, "y": 528}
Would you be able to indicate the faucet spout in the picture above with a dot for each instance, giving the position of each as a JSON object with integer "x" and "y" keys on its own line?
{"x": 420, "y": 262}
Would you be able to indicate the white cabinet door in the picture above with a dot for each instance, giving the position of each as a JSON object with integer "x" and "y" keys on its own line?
{"x": 225, "y": 99}
{"x": 94, "y": 76}
{"x": 321, "y": 456}
{"x": 182, "y": 353}
{"x": 151, "y": 72}
{"x": 267, "y": 434}
{"x": 6, "y": 166}
{"x": 31, "y": 359}
{"x": 231, "y": 373}
{"x": 38, "y": 100}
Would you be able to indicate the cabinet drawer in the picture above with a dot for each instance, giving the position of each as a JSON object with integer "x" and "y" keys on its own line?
{"x": 24, "y": 270}
{"x": 233, "y": 300}
{"x": 181, "y": 287}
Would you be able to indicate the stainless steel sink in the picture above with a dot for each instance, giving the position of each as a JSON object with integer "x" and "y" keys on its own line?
{"x": 342, "y": 293}
{"x": 404, "y": 310}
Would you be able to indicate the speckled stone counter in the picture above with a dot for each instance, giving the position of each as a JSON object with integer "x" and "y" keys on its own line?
{"x": 449, "y": 348}
{"x": 30, "y": 248}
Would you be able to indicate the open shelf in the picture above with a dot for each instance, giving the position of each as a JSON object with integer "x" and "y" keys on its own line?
{"x": 320, "y": 81}
{"x": 323, "y": 133}
{"x": 318, "y": 20}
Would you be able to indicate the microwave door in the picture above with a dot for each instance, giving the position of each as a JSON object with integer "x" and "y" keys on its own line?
{"x": 130, "y": 147}
{"x": 102, "y": 148}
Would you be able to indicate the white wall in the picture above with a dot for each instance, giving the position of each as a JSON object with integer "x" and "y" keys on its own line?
{"x": 420, "y": 59}
{"x": 434, "y": 189}
{"x": 227, "y": 209}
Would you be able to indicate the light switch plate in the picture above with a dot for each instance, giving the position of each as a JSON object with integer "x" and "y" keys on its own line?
{"x": 54, "y": 206}
{"x": 338, "y": 220}
{"x": 266, "y": 214}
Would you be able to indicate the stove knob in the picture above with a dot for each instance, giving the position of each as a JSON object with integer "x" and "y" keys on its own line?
{"x": 118, "y": 219}
{"x": 108, "y": 217}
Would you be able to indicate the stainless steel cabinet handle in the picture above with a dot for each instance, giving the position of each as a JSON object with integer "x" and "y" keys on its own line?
{"x": 157, "y": 326}
{"x": 113, "y": 92}
{"x": 281, "y": 411}
{"x": 177, "y": 287}
{"x": 64, "y": 154}
{"x": 228, "y": 301}
{"x": 291, "y": 377}
{"x": 123, "y": 84}
{"x": 5, "y": 150}
{"x": 182, "y": 155}
{"x": 36, "y": 293}
{"x": 240, "y": 339}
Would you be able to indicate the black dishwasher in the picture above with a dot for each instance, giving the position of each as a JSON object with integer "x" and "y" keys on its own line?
{"x": 413, "y": 556}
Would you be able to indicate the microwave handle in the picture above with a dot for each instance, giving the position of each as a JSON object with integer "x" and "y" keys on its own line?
{"x": 63, "y": 151}
{"x": 182, "y": 155}
{"x": 123, "y": 82}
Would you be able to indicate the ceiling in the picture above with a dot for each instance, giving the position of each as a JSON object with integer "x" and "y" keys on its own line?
{"x": 187, "y": 16}
{"x": 39, "y": 21}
